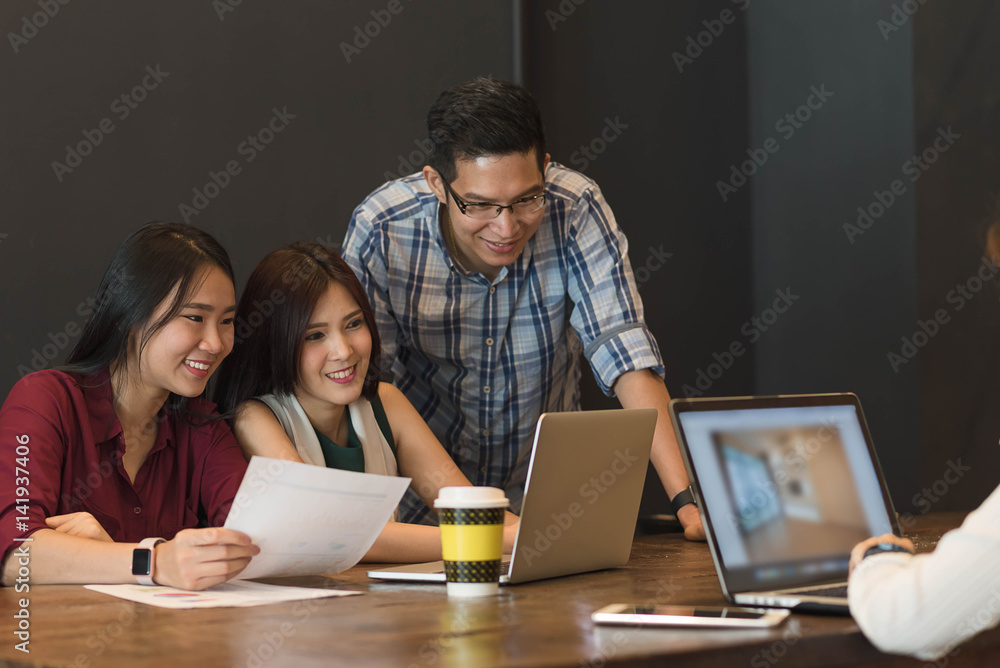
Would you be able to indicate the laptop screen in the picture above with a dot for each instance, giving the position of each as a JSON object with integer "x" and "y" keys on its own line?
{"x": 789, "y": 486}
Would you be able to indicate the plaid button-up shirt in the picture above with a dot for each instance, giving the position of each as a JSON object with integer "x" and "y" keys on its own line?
{"x": 481, "y": 360}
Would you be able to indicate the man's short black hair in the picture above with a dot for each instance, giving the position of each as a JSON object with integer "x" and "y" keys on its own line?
{"x": 483, "y": 117}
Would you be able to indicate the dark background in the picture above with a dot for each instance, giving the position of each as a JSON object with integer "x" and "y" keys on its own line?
{"x": 680, "y": 129}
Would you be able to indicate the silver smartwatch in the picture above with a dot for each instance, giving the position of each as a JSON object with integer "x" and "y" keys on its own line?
{"x": 142, "y": 561}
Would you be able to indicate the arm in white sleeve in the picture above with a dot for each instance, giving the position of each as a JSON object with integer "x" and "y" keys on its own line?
{"x": 927, "y": 604}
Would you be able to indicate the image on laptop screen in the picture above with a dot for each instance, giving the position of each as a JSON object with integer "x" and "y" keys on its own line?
{"x": 789, "y": 491}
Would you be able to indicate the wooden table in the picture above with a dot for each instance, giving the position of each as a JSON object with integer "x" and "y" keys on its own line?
{"x": 416, "y": 626}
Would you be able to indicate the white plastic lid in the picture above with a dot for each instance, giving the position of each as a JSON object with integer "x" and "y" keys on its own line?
{"x": 471, "y": 497}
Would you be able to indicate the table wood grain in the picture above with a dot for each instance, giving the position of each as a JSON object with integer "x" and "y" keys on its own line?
{"x": 415, "y": 626}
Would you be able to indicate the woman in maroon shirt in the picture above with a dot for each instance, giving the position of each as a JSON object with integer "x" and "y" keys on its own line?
{"x": 117, "y": 447}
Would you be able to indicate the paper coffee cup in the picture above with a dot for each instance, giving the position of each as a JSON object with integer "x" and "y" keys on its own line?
{"x": 471, "y": 521}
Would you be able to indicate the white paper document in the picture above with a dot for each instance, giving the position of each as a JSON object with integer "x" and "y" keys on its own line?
{"x": 236, "y": 594}
{"x": 310, "y": 520}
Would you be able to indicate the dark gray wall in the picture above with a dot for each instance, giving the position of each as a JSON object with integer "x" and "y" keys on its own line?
{"x": 352, "y": 122}
{"x": 687, "y": 123}
{"x": 955, "y": 85}
{"x": 684, "y": 125}
{"x": 856, "y": 289}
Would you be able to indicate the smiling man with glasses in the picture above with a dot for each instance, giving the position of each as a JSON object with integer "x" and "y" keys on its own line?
{"x": 490, "y": 272}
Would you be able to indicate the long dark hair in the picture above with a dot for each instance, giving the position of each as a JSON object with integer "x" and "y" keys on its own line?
{"x": 271, "y": 319}
{"x": 142, "y": 273}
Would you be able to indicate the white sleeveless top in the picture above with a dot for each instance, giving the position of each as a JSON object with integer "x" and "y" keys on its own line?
{"x": 379, "y": 458}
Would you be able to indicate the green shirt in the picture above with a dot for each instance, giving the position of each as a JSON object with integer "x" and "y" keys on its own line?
{"x": 351, "y": 457}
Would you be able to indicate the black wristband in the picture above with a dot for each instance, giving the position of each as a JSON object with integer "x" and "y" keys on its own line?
{"x": 882, "y": 548}
{"x": 683, "y": 498}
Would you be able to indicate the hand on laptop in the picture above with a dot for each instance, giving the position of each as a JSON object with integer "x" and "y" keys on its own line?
{"x": 511, "y": 524}
{"x": 690, "y": 519}
{"x": 858, "y": 553}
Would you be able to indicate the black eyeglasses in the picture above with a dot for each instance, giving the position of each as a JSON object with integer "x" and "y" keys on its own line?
{"x": 525, "y": 207}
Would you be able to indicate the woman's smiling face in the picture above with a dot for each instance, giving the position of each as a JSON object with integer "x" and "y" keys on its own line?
{"x": 336, "y": 350}
{"x": 182, "y": 355}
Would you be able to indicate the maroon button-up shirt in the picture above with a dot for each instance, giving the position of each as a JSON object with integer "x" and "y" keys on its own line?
{"x": 61, "y": 441}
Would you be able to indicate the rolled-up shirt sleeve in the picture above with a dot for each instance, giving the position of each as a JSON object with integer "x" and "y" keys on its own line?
{"x": 925, "y": 605}
{"x": 607, "y": 311}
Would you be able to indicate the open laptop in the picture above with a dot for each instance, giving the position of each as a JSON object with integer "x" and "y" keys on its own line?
{"x": 786, "y": 485}
{"x": 581, "y": 498}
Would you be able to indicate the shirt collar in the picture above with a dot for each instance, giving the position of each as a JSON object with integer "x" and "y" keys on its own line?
{"x": 104, "y": 424}
{"x": 100, "y": 400}
{"x": 444, "y": 244}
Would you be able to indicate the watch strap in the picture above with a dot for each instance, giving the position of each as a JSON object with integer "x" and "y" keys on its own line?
{"x": 148, "y": 544}
{"x": 683, "y": 498}
{"x": 883, "y": 548}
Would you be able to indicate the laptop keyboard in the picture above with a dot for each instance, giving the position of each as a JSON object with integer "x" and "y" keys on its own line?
{"x": 840, "y": 591}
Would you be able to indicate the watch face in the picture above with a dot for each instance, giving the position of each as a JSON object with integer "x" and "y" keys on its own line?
{"x": 142, "y": 561}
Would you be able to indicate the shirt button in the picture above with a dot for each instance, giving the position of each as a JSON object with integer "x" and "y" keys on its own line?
{"x": 486, "y": 432}
{"x": 489, "y": 341}
{"x": 493, "y": 289}
{"x": 486, "y": 389}
{"x": 482, "y": 469}
{"x": 137, "y": 510}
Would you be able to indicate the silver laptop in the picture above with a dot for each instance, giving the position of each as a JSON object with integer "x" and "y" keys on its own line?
{"x": 786, "y": 485}
{"x": 581, "y": 498}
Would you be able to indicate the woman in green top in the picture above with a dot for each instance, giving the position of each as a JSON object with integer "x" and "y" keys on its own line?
{"x": 301, "y": 385}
